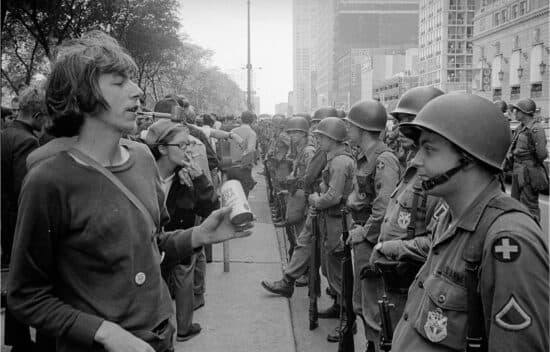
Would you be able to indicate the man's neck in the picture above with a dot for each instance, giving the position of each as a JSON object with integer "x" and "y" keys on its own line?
{"x": 460, "y": 200}
{"x": 100, "y": 142}
{"x": 366, "y": 144}
{"x": 26, "y": 121}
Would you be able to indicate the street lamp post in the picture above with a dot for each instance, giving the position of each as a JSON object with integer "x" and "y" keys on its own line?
{"x": 249, "y": 104}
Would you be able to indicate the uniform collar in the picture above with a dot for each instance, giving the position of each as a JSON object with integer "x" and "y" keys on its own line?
{"x": 341, "y": 149}
{"x": 470, "y": 219}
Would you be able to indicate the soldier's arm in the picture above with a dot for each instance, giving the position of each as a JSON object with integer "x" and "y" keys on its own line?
{"x": 415, "y": 249}
{"x": 385, "y": 181}
{"x": 539, "y": 139}
{"x": 340, "y": 171}
{"x": 514, "y": 285}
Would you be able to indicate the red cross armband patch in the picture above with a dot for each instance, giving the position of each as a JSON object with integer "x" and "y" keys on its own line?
{"x": 512, "y": 316}
{"x": 506, "y": 249}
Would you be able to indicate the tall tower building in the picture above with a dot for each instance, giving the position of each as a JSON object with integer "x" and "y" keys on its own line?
{"x": 445, "y": 46}
{"x": 302, "y": 47}
{"x": 345, "y": 32}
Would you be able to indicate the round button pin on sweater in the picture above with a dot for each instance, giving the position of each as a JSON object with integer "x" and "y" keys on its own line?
{"x": 140, "y": 278}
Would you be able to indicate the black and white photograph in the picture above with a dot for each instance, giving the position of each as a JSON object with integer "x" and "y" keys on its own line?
{"x": 275, "y": 176}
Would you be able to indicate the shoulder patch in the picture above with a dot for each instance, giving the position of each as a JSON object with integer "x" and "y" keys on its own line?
{"x": 512, "y": 317}
{"x": 506, "y": 249}
{"x": 380, "y": 165}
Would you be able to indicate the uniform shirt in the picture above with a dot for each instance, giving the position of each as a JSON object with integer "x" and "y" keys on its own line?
{"x": 523, "y": 148}
{"x": 513, "y": 284}
{"x": 302, "y": 160}
{"x": 84, "y": 253}
{"x": 338, "y": 183}
{"x": 386, "y": 177}
{"x": 400, "y": 207}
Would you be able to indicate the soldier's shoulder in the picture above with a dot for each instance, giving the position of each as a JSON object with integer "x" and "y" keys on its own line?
{"x": 537, "y": 128}
{"x": 515, "y": 230}
{"x": 342, "y": 159}
{"x": 388, "y": 158}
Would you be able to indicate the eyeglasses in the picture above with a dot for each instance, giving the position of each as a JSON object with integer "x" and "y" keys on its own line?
{"x": 182, "y": 145}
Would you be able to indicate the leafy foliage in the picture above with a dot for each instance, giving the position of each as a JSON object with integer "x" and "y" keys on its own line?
{"x": 149, "y": 29}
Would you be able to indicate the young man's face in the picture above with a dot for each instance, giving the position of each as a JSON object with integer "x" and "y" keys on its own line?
{"x": 325, "y": 143}
{"x": 296, "y": 136}
{"x": 406, "y": 143}
{"x": 436, "y": 156}
{"x": 354, "y": 134}
{"x": 122, "y": 95}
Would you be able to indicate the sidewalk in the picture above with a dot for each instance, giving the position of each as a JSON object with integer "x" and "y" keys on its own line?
{"x": 238, "y": 315}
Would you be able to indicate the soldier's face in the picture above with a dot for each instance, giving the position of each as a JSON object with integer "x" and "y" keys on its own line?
{"x": 296, "y": 136}
{"x": 435, "y": 156}
{"x": 354, "y": 134}
{"x": 325, "y": 143}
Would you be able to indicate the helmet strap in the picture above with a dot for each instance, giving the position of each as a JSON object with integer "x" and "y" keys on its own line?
{"x": 444, "y": 177}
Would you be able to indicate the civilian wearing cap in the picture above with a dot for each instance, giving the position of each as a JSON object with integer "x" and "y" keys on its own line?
{"x": 526, "y": 156}
{"x": 189, "y": 194}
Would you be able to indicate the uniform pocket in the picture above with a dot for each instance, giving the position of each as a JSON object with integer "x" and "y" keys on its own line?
{"x": 443, "y": 313}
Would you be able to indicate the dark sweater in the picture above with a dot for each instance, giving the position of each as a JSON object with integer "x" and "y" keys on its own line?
{"x": 82, "y": 249}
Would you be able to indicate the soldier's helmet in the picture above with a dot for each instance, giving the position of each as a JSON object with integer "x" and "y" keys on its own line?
{"x": 304, "y": 115}
{"x": 501, "y": 104}
{"x": 324, "y": 112}
{"x": 297, "y": 123}
{"x": 341, "y": 114}
{"x": 369, "y": 115}
{"x": 332, "y": 127}
{"x": 277, "y": 120}
{"x": 472, "y": 123}
{"x": 526, "y": 106}
{"x": 414, "y": 99}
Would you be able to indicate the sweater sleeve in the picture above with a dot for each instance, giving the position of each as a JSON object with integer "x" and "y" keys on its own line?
{"x": 31, "y": 294}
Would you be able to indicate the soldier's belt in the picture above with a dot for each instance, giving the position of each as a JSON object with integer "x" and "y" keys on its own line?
{"x": 527, "y": 157}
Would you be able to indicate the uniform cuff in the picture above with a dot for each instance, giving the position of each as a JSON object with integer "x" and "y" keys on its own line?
{"x": 177, "y": 247}
{"x": 84, "y": 328}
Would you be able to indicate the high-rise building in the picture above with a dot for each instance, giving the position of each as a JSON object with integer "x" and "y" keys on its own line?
{"x": 343, "y": 33}
{"x": 302, "y": 46}
{"x": 445, "y": 46}
{"x": 511, "y": 51}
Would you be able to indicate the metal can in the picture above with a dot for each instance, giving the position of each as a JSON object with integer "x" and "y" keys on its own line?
{"x": 233, "y": 196}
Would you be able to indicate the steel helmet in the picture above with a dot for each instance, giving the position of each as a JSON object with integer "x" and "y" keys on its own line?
{"x": 414, "y": 99}
{"x": 277, "y": 120}
{"x": 332, "y": 127}
{"x": 324, "y": 112}
{"x": 341, "y": 114}
{"x": 525, "y": 105}
{"x": 369, "y": 115}
{"x": 297, "y": 123}
{"x": 470, "y": 122}
{"x": 303, "y": 114}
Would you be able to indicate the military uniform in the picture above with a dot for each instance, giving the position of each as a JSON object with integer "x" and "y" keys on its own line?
{"x": 377, "y": 175}
{"x": 336, "y": 187}
{"x": 406, "y": 223}
{"x": 528, "y": 151}
{"x": 513, "y": 285}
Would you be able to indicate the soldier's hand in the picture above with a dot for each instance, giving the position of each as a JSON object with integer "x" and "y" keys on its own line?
{"x": 218, "y": 228}
{"x": 116, "y": 339}
{"x": 389, "y": 249}
{"x": 313, "y": 198}
{"x": 355, "y": 236}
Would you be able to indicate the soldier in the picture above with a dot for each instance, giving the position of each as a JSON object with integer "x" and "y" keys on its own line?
{"x": 279, "y": 164}
{"x": 484, "y": 285}
{"x": 376, "y": 176}
{"x": 298, "y": 129}
{"x": 527, "y": 154}
{"x": 403, "y": 234}
{"x": 336, "y": 187}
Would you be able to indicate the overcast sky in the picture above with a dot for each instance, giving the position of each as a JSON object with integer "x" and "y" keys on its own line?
{"x": 220, "y": 25}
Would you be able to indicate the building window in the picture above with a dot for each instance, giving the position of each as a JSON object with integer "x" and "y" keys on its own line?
{"x": 514, "y": 93}
{"x": 504, "y": 14}
{"x": 536, "y": 90}
{"x": 514, "y": 13}
{"x": 497, "y": 94}
{"x": 497, "y": 19}
{"x": 522, "y": 8}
